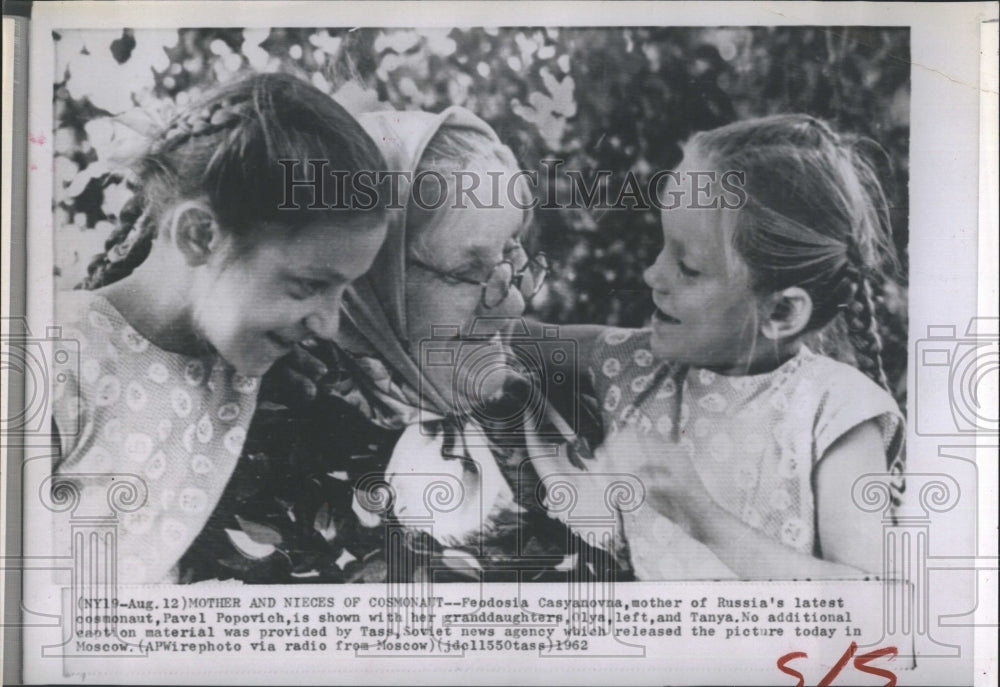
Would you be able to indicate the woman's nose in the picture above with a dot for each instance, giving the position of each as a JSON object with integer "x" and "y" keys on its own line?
{"x": 511, "y": 306}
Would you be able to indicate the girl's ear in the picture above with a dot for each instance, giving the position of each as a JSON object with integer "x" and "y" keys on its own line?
{"x": 195, "y": 232}
{"x": 786, "y": 313}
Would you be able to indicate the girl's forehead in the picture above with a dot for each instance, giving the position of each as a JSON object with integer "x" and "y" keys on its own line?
{"x": 334, "y": 247}
{"x": 697, "y": 229}
{"x": 695, "y": 214}
{"x": 704, "y": 237}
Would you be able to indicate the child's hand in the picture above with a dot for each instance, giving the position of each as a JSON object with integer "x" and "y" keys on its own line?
{"x": 294, "y": 380}
{"x": 666, "y": 469}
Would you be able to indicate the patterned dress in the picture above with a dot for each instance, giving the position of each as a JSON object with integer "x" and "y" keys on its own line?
{"x": 172, "y": 423}
{"x": 755, "y": 440}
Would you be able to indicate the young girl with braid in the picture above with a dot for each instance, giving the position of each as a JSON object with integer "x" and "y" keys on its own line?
{"x": 747, "y": 442}
{"x": 212, "y": 276}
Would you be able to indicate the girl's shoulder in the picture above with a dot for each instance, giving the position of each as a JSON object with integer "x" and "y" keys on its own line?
{"x": 839, "y": 397}
{"x": 86, "y": 342}
{"x": 830, "y": 379}
{"x": 76, "y": 306}
{"x": 92, "y": 324}
{"x": 100, "y": 340}
{"x": 85, "y": 317}
{"x": 110, "y": 370}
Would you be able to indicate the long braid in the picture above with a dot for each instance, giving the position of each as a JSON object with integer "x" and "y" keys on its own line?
{"x": 130, "y": 242}
{"x": 204, "y": 121}
{"x": 126, "y": 247}
{"x": 868, "y": 252}
{"x": 862, "y": 330}
{"x": 229, "y": 151}
{"x": 862, "y": 326}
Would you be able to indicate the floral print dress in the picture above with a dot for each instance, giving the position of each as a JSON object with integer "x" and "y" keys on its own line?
{"x": 756, "y": 441}
{"x": 172, "y": 424}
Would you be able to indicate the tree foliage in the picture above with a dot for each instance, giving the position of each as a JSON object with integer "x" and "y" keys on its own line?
{"x": 620, "y": 100}
{"x": 616, "y": 100}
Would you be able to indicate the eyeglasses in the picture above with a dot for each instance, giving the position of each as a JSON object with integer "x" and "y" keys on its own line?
{"x": 528, "y": 280}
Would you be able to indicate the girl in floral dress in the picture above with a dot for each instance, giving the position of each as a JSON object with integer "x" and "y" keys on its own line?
{"x": 207, "y": 282}
{"x": 743, "y": 445}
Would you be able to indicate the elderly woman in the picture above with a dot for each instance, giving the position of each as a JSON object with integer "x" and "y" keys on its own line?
{"x": 413, "y": 456}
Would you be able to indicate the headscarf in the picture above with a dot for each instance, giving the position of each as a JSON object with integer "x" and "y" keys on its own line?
{"x": 437, "y": 442}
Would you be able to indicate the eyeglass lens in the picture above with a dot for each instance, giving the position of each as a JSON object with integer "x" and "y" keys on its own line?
{"x": 529, "y": 279}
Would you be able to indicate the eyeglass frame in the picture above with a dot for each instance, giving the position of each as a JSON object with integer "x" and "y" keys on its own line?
{"x": 516, "y": 276}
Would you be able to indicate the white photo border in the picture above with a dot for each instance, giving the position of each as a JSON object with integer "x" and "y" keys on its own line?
{"x": 953, "y": 273}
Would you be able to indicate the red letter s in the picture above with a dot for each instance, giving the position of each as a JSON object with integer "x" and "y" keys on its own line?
{"x": 861, "y": 663}
{"x": 789, "y": 671}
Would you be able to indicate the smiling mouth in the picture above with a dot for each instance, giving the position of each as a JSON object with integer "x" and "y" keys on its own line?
{"x": 664, "y": 317}
{"x": 280, "y": 341}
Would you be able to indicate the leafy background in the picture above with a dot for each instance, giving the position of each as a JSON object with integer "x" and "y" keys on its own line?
{"x": 612, "y": 99}
{"x": 617, "y": 99}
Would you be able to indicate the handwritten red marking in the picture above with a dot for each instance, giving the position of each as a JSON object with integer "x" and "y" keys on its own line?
{"x": 860, "y": 664}
{"x": 789, "y": 671}
{"x": 38, "y": 140}
{"x": 838, "y": 666}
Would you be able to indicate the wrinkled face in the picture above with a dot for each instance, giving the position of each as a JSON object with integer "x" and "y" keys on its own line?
{"x": 705, "y": 310}
{"x": 254, "y": 305}
{"x": 468, "y": 242}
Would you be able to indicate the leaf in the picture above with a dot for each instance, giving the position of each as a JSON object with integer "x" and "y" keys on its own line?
{"x": 271, "y": 406}
{"x": 568, "y": 562}
{"x": 346, "y": 557}
{"x": 306, "y": 575}
{"x": 248, "y": 547}
{"x": 461, "y": 562}
{"x": 239, "y": 563}
{"x": 289, "y": 507}
{"x": 262, "y": 534}
{"x": 365, "y": 517}
{"x": 80, "y": 182}
{"x": 324, "y": 523}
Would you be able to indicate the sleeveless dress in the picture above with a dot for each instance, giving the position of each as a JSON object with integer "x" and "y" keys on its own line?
{"x": 756, "y": 441}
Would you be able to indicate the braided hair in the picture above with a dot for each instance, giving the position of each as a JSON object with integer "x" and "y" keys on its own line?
{"x": 815, "y": 217}
{"x": 228, "y": 149}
